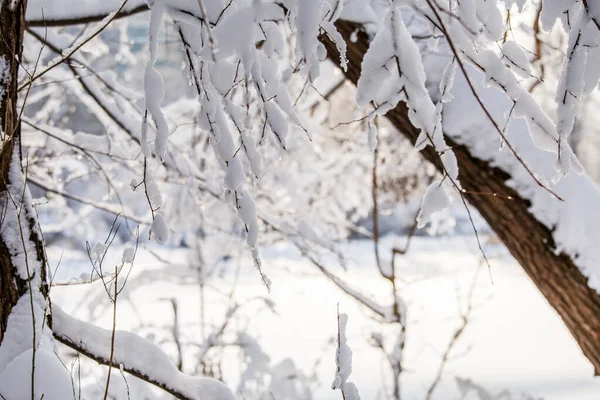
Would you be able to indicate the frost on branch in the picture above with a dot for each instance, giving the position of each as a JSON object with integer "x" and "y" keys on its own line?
{"x": 343, "y": 361}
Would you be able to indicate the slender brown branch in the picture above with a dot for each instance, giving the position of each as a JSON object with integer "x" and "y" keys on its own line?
{"x": 538, "y": 47}
{"x": 114, "y": 328}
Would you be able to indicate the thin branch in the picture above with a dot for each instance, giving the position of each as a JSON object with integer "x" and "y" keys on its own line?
{"x": 73, "y": 50}
{"x": 112, "y": 336}
{"x": 85, "y": 19}
{"x": 98, "y": 205}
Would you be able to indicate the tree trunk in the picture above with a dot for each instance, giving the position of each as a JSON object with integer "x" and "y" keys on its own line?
{"x": 528, "y": 240}
{"x": 12, "y": 285}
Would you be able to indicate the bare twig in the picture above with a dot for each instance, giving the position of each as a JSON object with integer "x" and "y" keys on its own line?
{"x": 73, "y": 50}
{"x": 114, "y": 328}
{"x": 86, "y": 19}
{"x": 465, "y": 318}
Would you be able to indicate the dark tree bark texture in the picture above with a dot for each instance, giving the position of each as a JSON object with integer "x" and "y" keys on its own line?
{"x": 12, "y": 286}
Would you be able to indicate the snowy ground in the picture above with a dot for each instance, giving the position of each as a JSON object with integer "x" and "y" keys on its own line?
{"x": 513, "y": 340}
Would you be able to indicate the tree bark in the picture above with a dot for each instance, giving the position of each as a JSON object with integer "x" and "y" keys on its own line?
{"x": 12, "y": 285}
{"x": 528, "y": 240}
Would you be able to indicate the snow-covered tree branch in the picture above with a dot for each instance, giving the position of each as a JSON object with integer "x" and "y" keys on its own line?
{"x": 136, "y": 356}
{"x": 232, "y": 138}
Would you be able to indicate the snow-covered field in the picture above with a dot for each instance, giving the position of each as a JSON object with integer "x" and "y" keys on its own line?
{"x": 513, "y": 341}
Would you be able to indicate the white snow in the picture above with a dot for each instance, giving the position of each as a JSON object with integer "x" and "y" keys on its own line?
{"x": 20, "y": 329}
{"x": 155, "y": 91}
{"x": 128, "y": 255}
{"x": 307, "y": 23}
{"x": 516, "y": 58}
{"x": 514, "y": 341}
{"x": 52, "y": 379}
{"x": 15, "y": 228}
{"x": 343, "y": 361}
{"x": 4, "y": 74}
{"x": 137, "y": 354}
{"x": 393, "y": 71}
{"x": 434, "y": 201}
{"x": 574, "y": 222}
{"x": 160, "y": 229}
{"x": 372, "y": 136}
